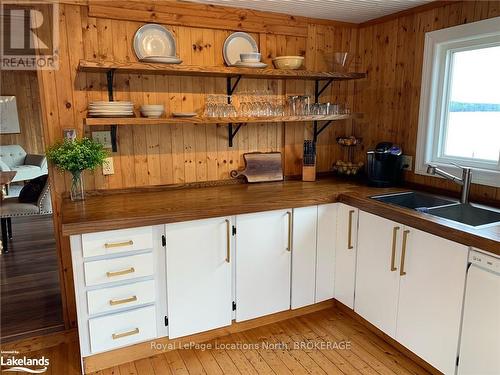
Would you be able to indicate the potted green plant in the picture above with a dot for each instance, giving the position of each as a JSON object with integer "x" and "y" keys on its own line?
{"x": 75, "y": 156}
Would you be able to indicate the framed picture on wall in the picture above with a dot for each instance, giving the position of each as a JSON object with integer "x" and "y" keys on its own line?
{"x": 9, "y": 119}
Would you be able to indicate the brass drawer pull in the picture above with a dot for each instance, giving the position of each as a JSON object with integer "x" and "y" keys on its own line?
{"x": 403, "y": 253}
{"x": 118, "y": 244}
{"x": 349, "y": 231}
{"x": 289, "y": 248}
{"x": 120, "y": 273}
{"x": 228, "y": 241}
{"x": 114, "y": 302}
{"x": 116, "y": 336}
{"x": 393, "y": 254}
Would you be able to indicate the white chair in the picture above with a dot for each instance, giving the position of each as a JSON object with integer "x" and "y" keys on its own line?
{"x": 27, "y": 166}
{"x": 11, "y": 207}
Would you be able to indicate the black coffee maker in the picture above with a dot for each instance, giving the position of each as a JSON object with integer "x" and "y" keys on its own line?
{"x": 384, "y": 165}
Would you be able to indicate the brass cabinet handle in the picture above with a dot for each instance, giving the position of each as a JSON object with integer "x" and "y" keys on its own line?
{"x": 116, "y": 336}
{"x": 289, "y": 248}
{"x": 118, "y": 244}
{"x": 114, "y": 302}
{"x": 228, "y": 239}
{"x": 403, "y": 253}
{"x": 393, "y": 254}
{"x": 119, "y": 273}
{"x": 349, "y": 234}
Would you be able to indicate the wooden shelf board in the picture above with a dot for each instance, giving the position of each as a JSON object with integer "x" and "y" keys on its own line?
{"x": 100, "y": 121}
{"x": 211, "y": 71}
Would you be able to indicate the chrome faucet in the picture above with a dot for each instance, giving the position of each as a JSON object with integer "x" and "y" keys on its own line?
{"x": 464, "y": 181}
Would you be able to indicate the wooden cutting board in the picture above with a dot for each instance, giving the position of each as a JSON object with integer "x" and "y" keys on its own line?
{"x": 261, "y": 166}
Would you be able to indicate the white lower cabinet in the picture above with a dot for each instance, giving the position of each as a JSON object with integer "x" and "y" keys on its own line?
{"x": 325, "y": 253}
{"x": 313, "y": 254}
{"x": 263, "y": 263}
{"x": 410, "y": 284}
{"x": 345, "y": 254}
{"x": 377, "y": 271}
{"x": 198, "y": 272}
{"x": 431, "y": 297}
{"x": 305, "y": 221}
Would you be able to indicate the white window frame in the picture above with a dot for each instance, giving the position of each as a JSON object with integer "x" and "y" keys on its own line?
{"x": 439, "y": 46}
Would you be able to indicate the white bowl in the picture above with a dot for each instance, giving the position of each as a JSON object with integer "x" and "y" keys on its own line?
{"x": 152, "y": 107}
{"x": 152, "y": 114}
{"x": 250, "y": 57}
{"x": 288, "y": 62}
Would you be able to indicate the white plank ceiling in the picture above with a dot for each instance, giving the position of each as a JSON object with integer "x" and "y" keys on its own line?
{"x": 355, "y": 11}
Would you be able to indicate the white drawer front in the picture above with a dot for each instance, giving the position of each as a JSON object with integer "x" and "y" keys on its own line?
{"x": 122, "y": 329}
{"x": 117, "y": 241}
{"x": 125, "y": 268}
{"x": 111, "y": 299}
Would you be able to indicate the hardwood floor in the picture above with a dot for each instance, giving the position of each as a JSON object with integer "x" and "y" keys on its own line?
{"x": 29, "y": 281}
{"x": 299, "y": 345}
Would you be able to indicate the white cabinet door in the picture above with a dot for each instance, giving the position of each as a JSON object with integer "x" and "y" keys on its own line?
{"x": 263, "y": 262}
{"x": 304, "y": 256}
{"x": 325, "y": 253}
{"x": 377, "y": 276}
{"x": 198, "y": 276}
{"x": 345, "y": 254}
{"x": 430, "y": 298}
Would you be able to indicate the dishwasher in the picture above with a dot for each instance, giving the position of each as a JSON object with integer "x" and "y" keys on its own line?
{"x": 480, "y": 340}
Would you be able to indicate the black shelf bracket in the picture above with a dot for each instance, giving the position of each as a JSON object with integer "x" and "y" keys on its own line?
{"x": 110, "y": 74}
{"x": 231, "y": 134}
{"x": 318, "y": 132}
{"x": 318, "y": 91}
{"x": 230, "y": 86}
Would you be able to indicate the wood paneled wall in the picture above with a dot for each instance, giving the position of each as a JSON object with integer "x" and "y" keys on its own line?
{"x": 24, "y": 86}
{"x": 392, "y": 54}
{"x": 158, "y": 155}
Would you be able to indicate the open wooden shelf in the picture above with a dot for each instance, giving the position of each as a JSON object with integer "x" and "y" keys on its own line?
{"x": 211, "y": 71}
{"x": 103, "y": 121}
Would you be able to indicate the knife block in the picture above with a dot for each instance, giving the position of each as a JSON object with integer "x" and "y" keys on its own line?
{"x": 309, "y": 172}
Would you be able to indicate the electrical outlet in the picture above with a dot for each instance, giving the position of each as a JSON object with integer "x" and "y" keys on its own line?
{"x": 407, "y": 161}
{"x": 103, "y": 137}
{"x": 108, "y": 167}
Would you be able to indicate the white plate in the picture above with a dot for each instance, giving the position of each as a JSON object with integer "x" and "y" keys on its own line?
{"x": 238, "y": 43}
{"x": 250, "y": 64}
{"x": 162, "y": 59}
{"x": 184, "y": 114}
{"x": 103, "y": 108}
{"x": 111, "y": 115}
{"x": 125, "y": 113}
{"x": 153, "y": 40}
{"x": 110, "y": 112}
{"x": 111, "y": 103}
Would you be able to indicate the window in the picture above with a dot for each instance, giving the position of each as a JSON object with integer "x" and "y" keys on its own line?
{"x": 459, "y": 118}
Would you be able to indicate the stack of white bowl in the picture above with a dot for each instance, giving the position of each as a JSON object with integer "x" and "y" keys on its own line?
{"x": 111, "y": 109}
{"x": 152, "y": 110}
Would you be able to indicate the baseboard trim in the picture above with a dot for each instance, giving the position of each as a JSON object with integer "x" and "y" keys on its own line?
{"x": 142, "y": 350}
{"x": 348, "y": 311}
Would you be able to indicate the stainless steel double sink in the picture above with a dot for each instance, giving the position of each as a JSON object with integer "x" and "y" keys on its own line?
{"x": 443, "y": 207}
